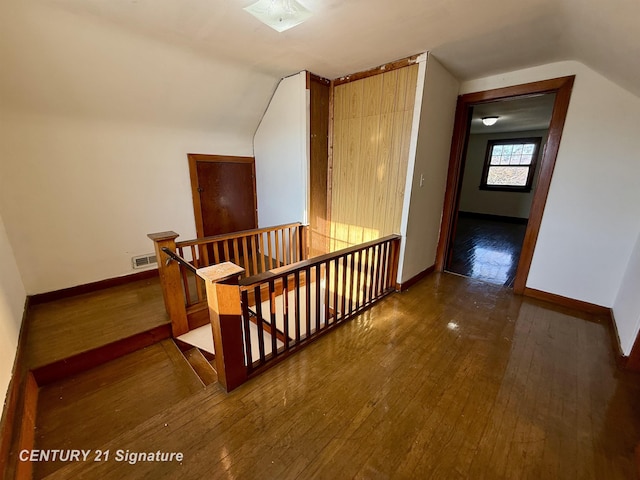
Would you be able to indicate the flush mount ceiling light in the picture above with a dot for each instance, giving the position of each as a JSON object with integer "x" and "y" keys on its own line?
{"x": 488, "y": 121}
{"x": 280, "y": 15}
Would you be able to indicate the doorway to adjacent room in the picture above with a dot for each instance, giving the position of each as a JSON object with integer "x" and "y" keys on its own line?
{"x": 499, "y": 164}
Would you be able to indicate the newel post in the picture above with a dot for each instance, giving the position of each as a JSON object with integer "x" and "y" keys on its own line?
{"x": 395, "y": 263}
{"x": 304, "y": 242}
{"x": 171, "y": 282}
{"x": 225, "y": 312}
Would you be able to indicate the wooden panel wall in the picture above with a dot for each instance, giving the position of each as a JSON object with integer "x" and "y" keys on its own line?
{"x": 319, "y": 234}
{"x": 372, "y": 121}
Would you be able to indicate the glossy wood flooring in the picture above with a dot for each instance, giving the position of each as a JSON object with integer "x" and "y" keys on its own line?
{"x": 66, "y": 327}
{"x": 454, "y": 378}
{"x": 487, "y": 250}
{"x": 88, "y": 408}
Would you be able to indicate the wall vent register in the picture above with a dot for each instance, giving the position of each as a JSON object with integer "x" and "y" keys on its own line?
{"x": 144, "y": 261}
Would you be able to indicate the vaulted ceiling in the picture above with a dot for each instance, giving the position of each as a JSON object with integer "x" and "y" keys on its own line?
{"x": 344, "y": 36}
{"x": 472, "y": 39}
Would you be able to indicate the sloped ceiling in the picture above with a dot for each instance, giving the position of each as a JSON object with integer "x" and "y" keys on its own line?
{"x": 56, "y": 54}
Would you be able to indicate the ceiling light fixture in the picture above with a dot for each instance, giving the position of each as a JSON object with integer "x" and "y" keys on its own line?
{"x": 280, "y": 15}
{"x": 488, "y": 121}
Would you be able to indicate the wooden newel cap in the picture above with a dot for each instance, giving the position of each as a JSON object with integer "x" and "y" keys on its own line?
{"x": 158, "y": 237}
{"x": 220, "y": 272}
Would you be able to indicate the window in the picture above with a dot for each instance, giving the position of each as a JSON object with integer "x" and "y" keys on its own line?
{"x": 510, "y": 164}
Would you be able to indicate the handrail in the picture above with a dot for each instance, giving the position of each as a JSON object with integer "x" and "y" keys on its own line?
{"x": 292, "y": 305}
{"x": 231, "y": 236}
{"x": 179, "y": 259}
{"x": 271, "y": 315}
{"x": 298, "y": 266}
{"x": 255, "y": 251}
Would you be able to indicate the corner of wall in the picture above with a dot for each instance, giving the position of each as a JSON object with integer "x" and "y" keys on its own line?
{"x": 424, "y": 196}
{"x": 626, "y": 307}
{"x": 281, "y": 153}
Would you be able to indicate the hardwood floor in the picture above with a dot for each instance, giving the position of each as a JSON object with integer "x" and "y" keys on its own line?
{"x": 86, "y": 409}
{"x": 454, "y": 378}
{"x": 69, "y": 326}
{"x": 487, "y": 249}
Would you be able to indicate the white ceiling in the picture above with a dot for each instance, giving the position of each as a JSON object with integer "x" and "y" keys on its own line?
{"x": 209, "y": 65}
{"x": 531, "y": 113}
{"x": 344, "y": 36}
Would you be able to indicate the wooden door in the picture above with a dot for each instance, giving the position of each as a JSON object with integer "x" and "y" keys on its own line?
{"x": 224, "y": 193}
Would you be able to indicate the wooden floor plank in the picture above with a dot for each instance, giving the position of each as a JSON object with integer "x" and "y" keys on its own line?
{"x": 86, "y": 410}
{"x": 63, "y": 328}
{"x": 452, "y": 379}
{"x": 201, "y": 366}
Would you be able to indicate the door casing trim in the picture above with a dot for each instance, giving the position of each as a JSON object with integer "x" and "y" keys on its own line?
{"x": 562, "y": 87}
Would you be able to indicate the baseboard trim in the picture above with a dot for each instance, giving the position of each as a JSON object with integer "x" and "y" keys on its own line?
{"x": 401, "y": 287}
{"x": 87, "y": 360}
{"x": 15, "y": 412}
{"x": 497, "y": 218}
{"x": 27, "y": 438}
{"x": 9, "y": 422}
{"x": 586, "y": 307}
{"x": 91, "y": 287}
{"x": 622, "y": 361}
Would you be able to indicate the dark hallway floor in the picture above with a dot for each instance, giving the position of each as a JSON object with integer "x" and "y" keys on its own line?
{"x": 487, "y": 249}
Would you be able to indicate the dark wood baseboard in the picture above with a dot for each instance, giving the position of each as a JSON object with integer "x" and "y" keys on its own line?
{"x": 15, "y": 411}
{"x": 568, "y": 302}
{"x": 401, "y": 287}
{"x": 9, "y": 425}
{"x": 497, "y": 218}
{"x": 91, "y": 287}
{"x": 622, "y": 361}
{"x": 27, "y": 433}
{"x": 92, "y": 358}
{"x": 9, "y": 422}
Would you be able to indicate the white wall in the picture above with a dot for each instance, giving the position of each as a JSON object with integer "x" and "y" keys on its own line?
{"x": 96, "y": 120}
{"x": 281, "y": 148}
{"x": 79, "y": 196}
{"x": 626, "y": 308}
{"x": 422, "y": 213}
{"x": 508, "y": 204}
{"x": 591, "y": 221}
{"x": 12, "y": 298}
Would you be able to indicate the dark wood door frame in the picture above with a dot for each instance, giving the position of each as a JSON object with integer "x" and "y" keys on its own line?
{"x": 194, "y": 158}
{"x": 562, "y": 88}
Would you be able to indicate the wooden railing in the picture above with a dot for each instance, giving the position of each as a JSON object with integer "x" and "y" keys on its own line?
{"x": 255, "y": 251}
{"x": 263, "y": 318}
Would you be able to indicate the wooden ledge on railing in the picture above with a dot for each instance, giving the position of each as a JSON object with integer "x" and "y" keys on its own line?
{"x": 225, "y": 314}
{"x": 220, "y": 272}
{"x": 163, "y": 236}
{"x": 238, "y": 234}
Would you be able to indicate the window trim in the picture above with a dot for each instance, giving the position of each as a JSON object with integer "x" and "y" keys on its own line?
{"x": 532, "y": 167}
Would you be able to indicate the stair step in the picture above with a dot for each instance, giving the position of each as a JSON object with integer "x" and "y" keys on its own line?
{"x": 203, "y": 368}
